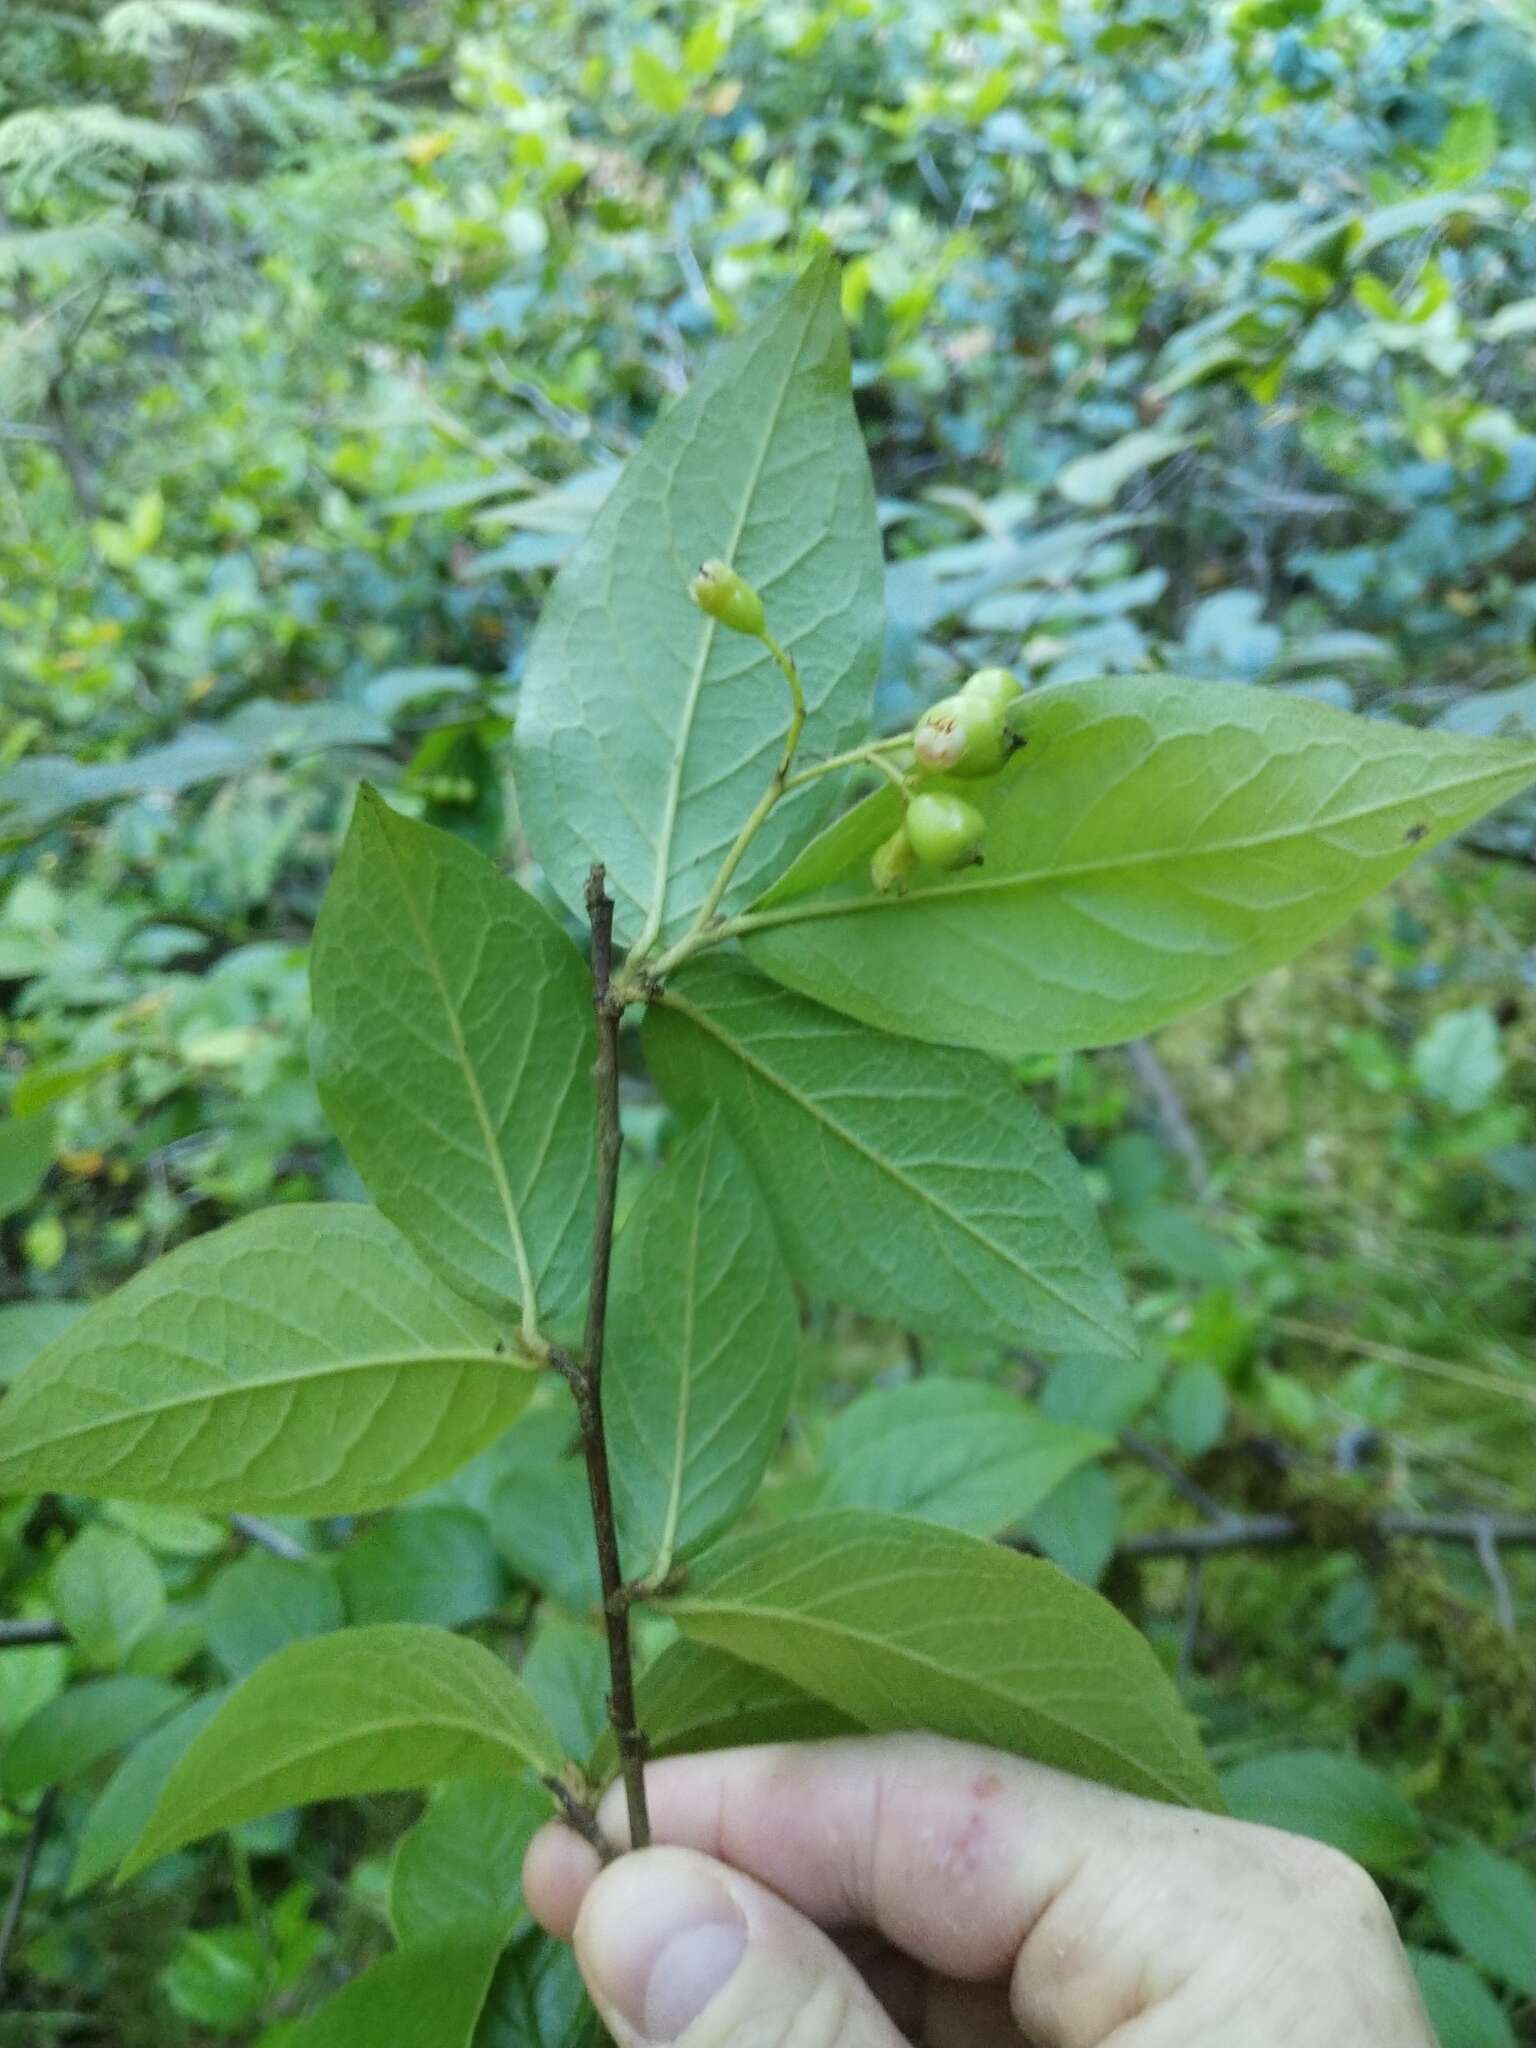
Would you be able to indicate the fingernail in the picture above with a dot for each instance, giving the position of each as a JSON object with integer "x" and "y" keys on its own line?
{"x": 660, "y": 1937}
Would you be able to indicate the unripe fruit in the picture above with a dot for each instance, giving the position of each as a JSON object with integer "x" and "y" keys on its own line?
{"x": 945, "y": 831}
{"x": 893, "y": 862}
{"x": 962, "y": 736}
{"x": 996, "y": 688}
{"x": 718, "y": 590}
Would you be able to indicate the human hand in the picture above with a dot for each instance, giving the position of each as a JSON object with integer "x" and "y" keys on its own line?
{"x": 904, "y": 1889}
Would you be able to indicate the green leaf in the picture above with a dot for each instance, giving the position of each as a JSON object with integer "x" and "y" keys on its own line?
{"x": 696, "y": 1697}
{"x": 703, "y": 1339}
{"x": 1099, "y": 478}
{"x": 540, "y": 1515}
{"x": 26, "y": 1327}
{"x": 959, "y": 1452}
{"x": 1462, "y": 2010}
{"x": 1459, "y": 1061}
{"x": 365, "y": 1710}
{"x": 70, "y": 1735}
{"x": 657, "y": 82}
{"x": 453, "y": 1047}
{"x": 646, "y": 732}
{"x": 1487, "y": 1905}
{"x": 260, "y": 1603}
{"x": 218, "y": 1976}
{"x": 1078, "y": 1525}
{"x": 1334, "y": 1799}
{"x": 462, "y": 1863}
{"x": 26, "y": 1155}
{"x": 566, "y": 1670}
{"x": 299, "y": 1361}
{"x": 108, "y": 1593}
{"x": 903, "y": 1624}
{"x": 985, "y": 1228}
{"x": 428, "y": 1997}
{"x": 1469, "y": 148}
{"x": 423, "y": 1564}
{"x": 1157, "y": 845}
{"x": 537, "y": 1999}
{"x": 122, "y": 1812}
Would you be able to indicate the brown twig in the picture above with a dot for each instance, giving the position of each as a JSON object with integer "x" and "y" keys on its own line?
{"x": 22, "y": 1635}
{"x": 586, "y": 1379}
{"x": 1173, "y": 1118}
{"x": 1284, "y": 1532}
{"x": 15, "y": 1905}
{"x": 580, "y": 1818}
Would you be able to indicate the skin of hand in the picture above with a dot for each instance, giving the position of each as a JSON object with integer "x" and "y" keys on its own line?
{"x": 894, "y": 1890}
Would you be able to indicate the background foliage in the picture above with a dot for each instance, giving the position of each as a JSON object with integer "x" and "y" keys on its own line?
{"x": 1185, "y": 338}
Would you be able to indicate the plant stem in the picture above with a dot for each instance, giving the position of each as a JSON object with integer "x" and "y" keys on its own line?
{"x": 1284, "y": 1532}
{"x": 21, "y": 1635}
{"x": 703, "y": 932}
{"x": 870, "y": 755}
{"x": 16, "y": 1903}
{"x": 586, "y": 1378}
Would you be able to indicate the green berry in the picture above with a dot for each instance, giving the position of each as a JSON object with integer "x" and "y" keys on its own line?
{"x": 962, "y": 736}
{"x": 945, "y": 831}
{"x": 718, "y": 590}
{"x": 994, "y": 687}
{"x": 892, "y": 863}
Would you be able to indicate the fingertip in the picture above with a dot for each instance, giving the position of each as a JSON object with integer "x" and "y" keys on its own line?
{"x": 558, "y": 1871}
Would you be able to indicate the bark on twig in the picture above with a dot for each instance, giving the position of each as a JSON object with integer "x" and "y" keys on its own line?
{"x": 586, "y": 1378}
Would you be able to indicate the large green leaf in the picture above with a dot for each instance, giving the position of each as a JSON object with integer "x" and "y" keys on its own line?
{"x": 696, "y": 1697}
{"x": 953, "y": 1451}
{"x": 302, "y": 1360}
{"x": 703, "y": 1336}
{"x": 1487, "y": 1904}
{"x": 72, "y": 1733}
{"x": 107, "y": 1592}
{"x": 902, "y": 1624}
{"x": 1334, "y": 1798}
{"x": 453, "y": 1047}
{"x": 120, "y": 1815}
{"x": 363, "y": 1710}
{"x": 909, "y": 1181}
{"x": 426, "y": 1997}
{"x": 1462, "y": 2010}
{"x": 462, "y": 1863}
{"x": 646, "y": 732}
{"x": 1156, "y": 845}
{"x": 26, "y": 1154}
{"x": 537, "y": 1999}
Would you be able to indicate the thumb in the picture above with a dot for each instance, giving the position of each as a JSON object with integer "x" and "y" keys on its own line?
{"x": 678, "y": 1949}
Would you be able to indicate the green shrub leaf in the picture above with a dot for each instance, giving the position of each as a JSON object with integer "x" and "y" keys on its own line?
{"x": 108, "y": 1593}
{"x": 959, "y": 1452}
{"x": 902, "y": 1624}
{"x": 1157, "y": 845}
{"x": 1487, "y": 1905}
{"x": 703, "y": 1337}
{"x": 363, "y": 1710}
{"x": 1335, "y": 1799}
{"x": 428, "y": 1997}
{"x": 299, "y": 1361}
{"x": 985, "y": 1228}
{"x": 75, "y": 1731}
{"x": 461, "y": 1864}
{"x": 646, "y": 732}
{"x": 453, "y": 1046}
{"x": 696, "y": 1697}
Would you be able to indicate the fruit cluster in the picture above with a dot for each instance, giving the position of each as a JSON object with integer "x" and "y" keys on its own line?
{"x": 967, "y": 736}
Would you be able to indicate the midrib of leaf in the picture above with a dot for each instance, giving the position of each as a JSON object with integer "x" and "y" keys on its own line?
{"x": 657, "y": 911}
{"x": 888, "y": 1167}
{"x": 238, "y": 1389}
{"x": 1029, "y": 878}
{"x": 668, "y": 1542}
{"x": 843, "y": 1632}
{"x": 525, "y": 1282}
